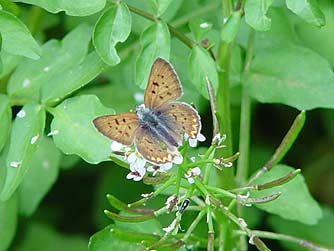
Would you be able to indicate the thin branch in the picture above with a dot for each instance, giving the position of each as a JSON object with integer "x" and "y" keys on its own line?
{"x": 190, "y": 43}
{"x": 284, "y": 147}
{"x": 289, "y": 238}
{"x": 213, "y": 105}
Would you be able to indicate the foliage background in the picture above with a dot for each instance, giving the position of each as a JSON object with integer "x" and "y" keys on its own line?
{"x": 66, "y": 206}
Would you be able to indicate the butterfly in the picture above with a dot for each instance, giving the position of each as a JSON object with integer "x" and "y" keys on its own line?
{"x": 158, "y": 126}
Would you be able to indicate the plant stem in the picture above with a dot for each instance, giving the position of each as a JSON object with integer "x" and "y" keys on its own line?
{"x": 289, "y": 238}
{"x": 187, "y": 41}
{"x": 245, "y": 120}
{"x": 194, "y": 224}
{"x": 34, "y": 18}
{"x": 284, "y": 147}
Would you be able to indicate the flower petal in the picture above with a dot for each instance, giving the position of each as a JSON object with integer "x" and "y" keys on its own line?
{"x": 192, "y": 142}
{"x": 115, "y": 146}
{"x": 201, "y": 137}
{"x": 196, "y": 171}
{"x": 178, "y": 159}
{"x": 132, "y": 158}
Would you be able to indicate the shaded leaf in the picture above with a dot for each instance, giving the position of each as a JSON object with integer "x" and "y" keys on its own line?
{"x": 308, "y": 10}
{"x": 155, "y": 42}
{"x": 73, "y": 7}
{"x": 256, "y": 14}
{"x": 201, "y": 66}
{"x": 5, "y": 118}
{"x": 295, "y": 203}
{"x": 113, "y": 26}
{"x": 41, "y": 175}
{"x": 291, "y": 75}
{"x": 72, "y": 80}
{"x": 321, "y": 233}
{"x": 41, "y": 236}
{"x": 74, "y": 132}
{"x": 26, "y": 132}
{"x": 56, "y": 60}
{"x": 16, "y": 38}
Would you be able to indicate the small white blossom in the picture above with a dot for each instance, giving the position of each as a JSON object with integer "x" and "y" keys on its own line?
{"x": 193, "y": 142}
{"x": 161, "y": 168}
{"x": 192, "y": 173}
{"x": 171, "y": 202}
{"x": 54, "y": 132}
{"x": 137, "y": 172}
{"x": 171, "y": 227}
{"x": 178, "y": 159}
{"x": 204, "y": 25}
{"x": 136, "y": 160}
{"x": 115, "y": 146}
{"x": 21, "y": 114}
{"x": 15, "y": 163}
{"x": 26, "y": 82}
{"x": 34, "y": 139}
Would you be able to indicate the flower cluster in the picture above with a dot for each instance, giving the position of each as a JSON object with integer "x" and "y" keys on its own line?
{"x": 139, "y": 165}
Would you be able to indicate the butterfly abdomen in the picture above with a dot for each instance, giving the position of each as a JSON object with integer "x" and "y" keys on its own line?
{"x": 150, "y": 120}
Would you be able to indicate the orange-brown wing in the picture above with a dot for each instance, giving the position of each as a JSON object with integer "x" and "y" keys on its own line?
{"x": 184, "y": 117}
{"x": 163, "y": 85}
{"x": 151, "y": 148}
{"x": 120, "y": 127}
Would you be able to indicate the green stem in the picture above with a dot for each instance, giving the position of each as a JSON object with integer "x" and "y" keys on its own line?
{"x": 245, "y": 120}
{"x": 187, "y": 41}
{"x": 289, "y": 238}
{"x": 284, "y": 147}
{"x": 194, "y": 224}
{"x": 34, "y": 18}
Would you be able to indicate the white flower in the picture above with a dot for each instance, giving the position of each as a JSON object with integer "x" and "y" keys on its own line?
{"x": 171, "y": 227}
{"x": 21, "y": 114}
{"x": 178, "y": 159}
{"x": 161, "y": 168}
{"x": 115, "y": 146}
{"x": 192, "y": 173}
{"x": 136, "y": 160}
{"x": 137, "y": 172}
{"x": 193, "y": 142}
{"x": 171, "y": 202}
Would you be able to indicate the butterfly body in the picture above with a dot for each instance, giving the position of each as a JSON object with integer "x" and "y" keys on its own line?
{"x": 158, "y": 126}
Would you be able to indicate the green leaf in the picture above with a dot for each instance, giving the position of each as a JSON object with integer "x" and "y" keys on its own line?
{"x": 256, "y": 14}
{"x": 321, "y": 233}
{"x": 113, "y": 26}
{"x": 26, "y": 133}
{"x": 148, "y": 227}
{"x": 16, "y": 38}
{"x": 199, "y": 28}
{"x": 72, "y": 8}
{"x": 74, "y": 132}
{"x": 8, "y": 222}
{"x": 155, "y": 42}
{"x": 291, "y": 75}
{"x": 5, "y": 118}
{"x": 57, "y": 59}
{"x": 160, "y": 6}
{"x": 72, "y": 80}
{"x": 41, "y": 175}
{"x": 295, "y": 203}
{"x": 9, "y": 61}
{"x": 42, "y": 236}
{"x": 201, "y": 66}
{"x": 308, "y": 10}
{"x": 231, "y": 27}
{"x": 106, "y": 240}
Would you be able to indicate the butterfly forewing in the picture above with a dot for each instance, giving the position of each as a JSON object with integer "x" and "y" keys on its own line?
{"x": 184, "y": 117}
{"x": 151, "y": 148}
{"x": 120, "y": 127}
{"x": 163, "y": 85}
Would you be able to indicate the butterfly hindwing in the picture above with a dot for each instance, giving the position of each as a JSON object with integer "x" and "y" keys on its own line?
{"x": 163, "y": 85}
{"x": 151, "y": 148}
{"x": 185, "y": 118}
{"x": 120, "y": 127}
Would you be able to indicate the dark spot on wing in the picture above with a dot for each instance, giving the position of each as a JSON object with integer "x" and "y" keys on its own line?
{"x": 169, "y": 94}
{"x": 126, "y": 134}
{"x": 155, "y": 83}
{"x": 116, "y": 121}
{"x": 153, "y": 92}
{"x": 161, "y": 97}
{"x": 124, "y": 120}
{"x": 129, "y": 127}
